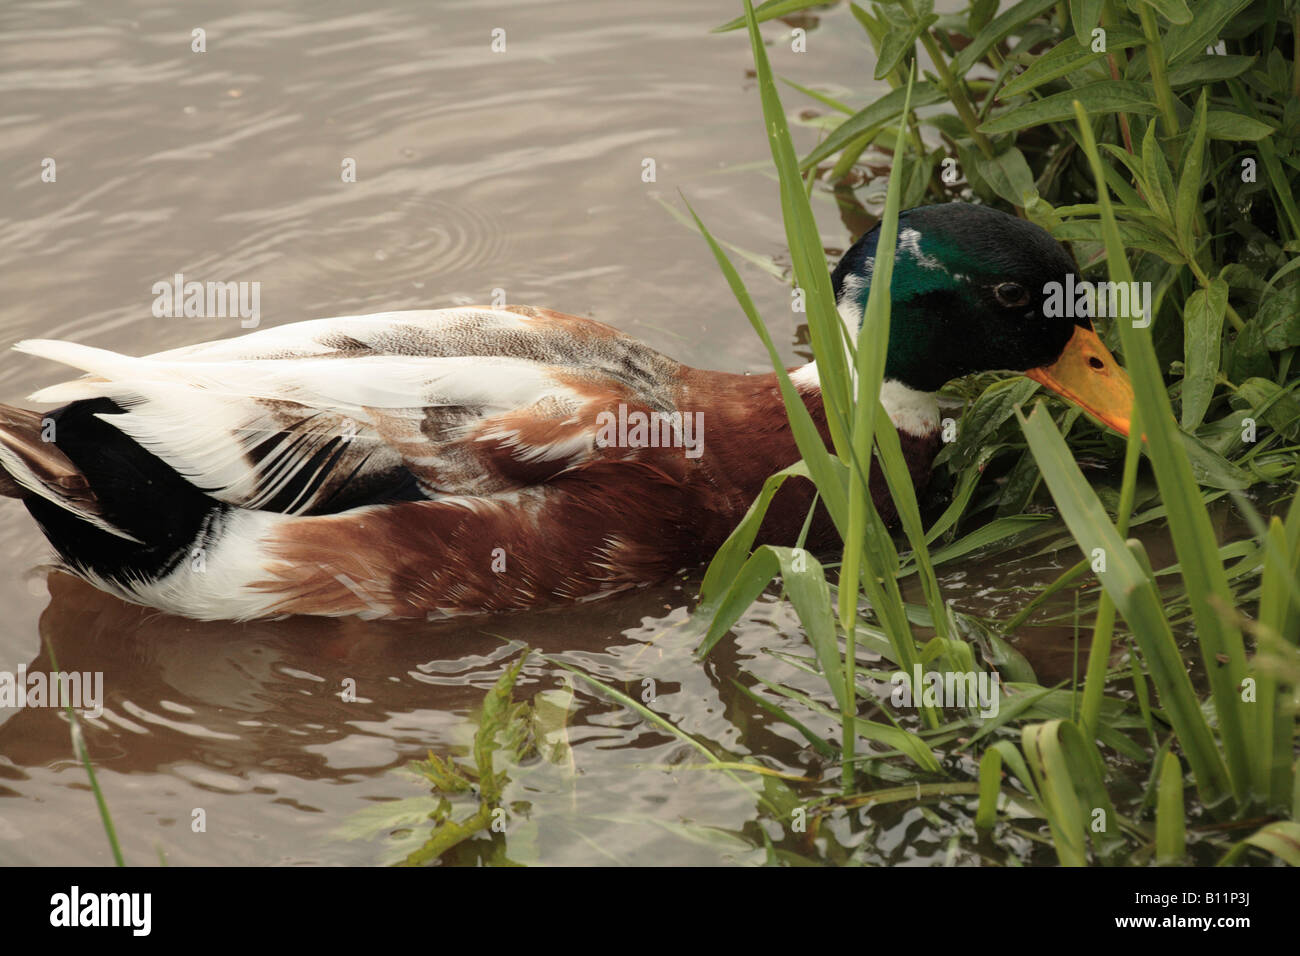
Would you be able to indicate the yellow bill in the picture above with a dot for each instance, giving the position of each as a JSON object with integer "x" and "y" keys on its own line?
{"x": 1088, "y": 375}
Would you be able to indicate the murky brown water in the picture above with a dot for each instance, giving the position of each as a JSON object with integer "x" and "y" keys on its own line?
{"x": 477, "y": 171}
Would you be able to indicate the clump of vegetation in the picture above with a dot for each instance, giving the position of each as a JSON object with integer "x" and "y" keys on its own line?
{"x": 1179, "y": 104}
{"x": 469, "y": 803}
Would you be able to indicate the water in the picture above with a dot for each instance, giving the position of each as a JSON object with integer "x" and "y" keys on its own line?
{"x": 476, "y": 171}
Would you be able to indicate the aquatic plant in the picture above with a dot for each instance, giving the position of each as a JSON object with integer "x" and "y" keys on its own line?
{"x": 1237, "y": 318}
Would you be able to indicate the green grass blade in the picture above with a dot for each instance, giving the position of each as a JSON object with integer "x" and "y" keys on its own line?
{"x": 1051, "y": 770}
{"x": 1171, "y": 834}
{"x": 806, "y": 253}
{"x": 1282, "y": 839}
{"x": 770, "y": 11}
{"x": 733, "y": 554}
{"x": 825, "y": 471}
{"x": 82, "y": 754}
{"x": 1135, "y": 596}
{"x": 1189, "y": 522}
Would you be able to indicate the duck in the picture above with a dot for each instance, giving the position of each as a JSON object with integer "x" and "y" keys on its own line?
{"x": 469, "y": 460}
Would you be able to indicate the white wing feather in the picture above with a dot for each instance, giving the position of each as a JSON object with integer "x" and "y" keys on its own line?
{"x": 317, "y": 402}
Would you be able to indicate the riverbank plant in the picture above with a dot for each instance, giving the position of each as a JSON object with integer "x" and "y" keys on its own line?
{"x": 1178, "y": 105}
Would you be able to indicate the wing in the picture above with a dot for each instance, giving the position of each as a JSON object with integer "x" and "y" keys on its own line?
{"x": 320, "y": 416}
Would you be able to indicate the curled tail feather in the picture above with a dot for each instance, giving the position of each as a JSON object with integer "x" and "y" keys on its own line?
{"x": 32, "y": 464}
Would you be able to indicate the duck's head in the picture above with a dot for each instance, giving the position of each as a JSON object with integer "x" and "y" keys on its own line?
{"x": 968, "y": 292}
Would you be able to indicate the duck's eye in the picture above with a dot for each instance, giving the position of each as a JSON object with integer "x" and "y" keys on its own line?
{"x": 1011, "y": 294}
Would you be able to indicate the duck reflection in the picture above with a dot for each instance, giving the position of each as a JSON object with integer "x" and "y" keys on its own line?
{"x": 272, "y": 695}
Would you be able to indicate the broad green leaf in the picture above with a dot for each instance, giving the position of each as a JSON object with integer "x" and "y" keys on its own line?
{"x": 900, "y": 37}
{"x": 1188, "y": 202}
{"x": 1105, "y": 97}
{"x": 1085, "y": 15}
{"x": 1184, "y": 41}
{"x": 1066, "y": 58}
{"x": 1211, "y": 469}
{"x": 1009, "y": 175}
{"x": 885, "y": 109}
{"x": 1235, "y": 128}
{"x": 1011, "y": 665}
{"x": 1276, "y": 405}
{"x": 820, "y": 744}
{"x": 1203, "y": 317}
{"x": 1279, "y": 318}
{"x": 1002, "y": 26}
{"x": 1246, "y": 356}
{"x": 995, "y": 406}
{"x": 1175, "y": 11}
{"x": 902, "y": 740}
{"x": 805, "y": 585}
{"x": 1134, "y": 235}
{"x": 981, "y": 14}
{"x": 1135, "y": 168}
{"x": 1209, "y": 69}
{"x": 898, "y": 478}
{"x": 734, "y": 552}
{"x": 740, "y": 592}
{"x": 1157, "y": 177}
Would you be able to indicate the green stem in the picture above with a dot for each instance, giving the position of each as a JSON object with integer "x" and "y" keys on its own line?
{"x": 1094, "y": 683}
{"x": 82, "y": 754}
{"x": 848, "y": 595}
{"x": 956, "y": 91}
{"x": 1066, "y": 578}
{"x": 1156, "y": 63}
{"x": 1233, "y": 318}
{"x": 954, "y": 87}
{"x": 1108, "y": 19}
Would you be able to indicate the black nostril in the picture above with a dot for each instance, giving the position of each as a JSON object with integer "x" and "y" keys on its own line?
{"x": 1096, "y": 362}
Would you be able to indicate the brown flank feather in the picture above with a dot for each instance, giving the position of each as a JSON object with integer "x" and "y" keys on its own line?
{"x": 631, "y": 517}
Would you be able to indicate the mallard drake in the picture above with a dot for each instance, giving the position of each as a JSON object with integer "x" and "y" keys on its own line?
{"x": 429, "y": 463}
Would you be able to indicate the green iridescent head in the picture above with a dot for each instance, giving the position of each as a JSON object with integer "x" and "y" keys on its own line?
{"x": 967, "y": 294}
